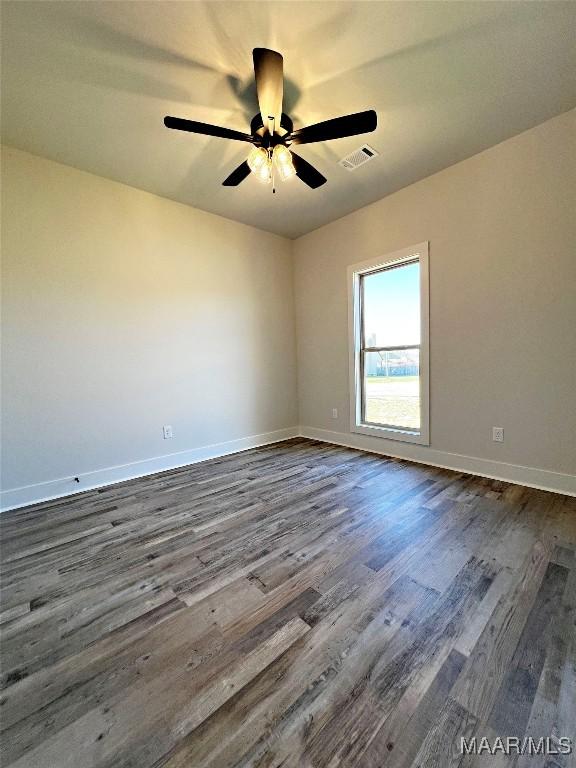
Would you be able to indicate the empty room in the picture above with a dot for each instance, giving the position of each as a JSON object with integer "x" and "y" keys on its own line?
{"x": 288, "y": 415}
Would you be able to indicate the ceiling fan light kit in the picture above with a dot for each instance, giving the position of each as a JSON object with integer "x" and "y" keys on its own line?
{"x": 263, "y": 162}
{"x": 272, "y": 132}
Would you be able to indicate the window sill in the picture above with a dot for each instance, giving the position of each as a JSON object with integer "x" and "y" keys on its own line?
{"x": 406, "y": 436}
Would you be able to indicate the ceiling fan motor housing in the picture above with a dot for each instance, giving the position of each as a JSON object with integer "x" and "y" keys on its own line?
{"x": 267, "y": 140}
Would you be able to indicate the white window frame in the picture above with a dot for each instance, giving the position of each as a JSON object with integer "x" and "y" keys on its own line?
{"x": 355, "y": 271}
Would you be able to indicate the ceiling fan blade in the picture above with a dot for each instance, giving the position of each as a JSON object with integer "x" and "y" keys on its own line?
{"x": 204, "y": 128}
{"x": 307, "y": 172}
{"x": 238, "y": 175}
{"x": 337, "y": 128}
{"x": 269, "y": 74}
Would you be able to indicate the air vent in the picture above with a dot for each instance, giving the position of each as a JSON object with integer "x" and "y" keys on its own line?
{"x": 358, "y": 157}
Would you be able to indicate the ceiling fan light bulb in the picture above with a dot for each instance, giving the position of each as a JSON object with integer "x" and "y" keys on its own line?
{"x": 286, "y": 171}
{"x": 257, "y": 159}
{"x": 264, "y": 172}
{"x": 282, "y": 156}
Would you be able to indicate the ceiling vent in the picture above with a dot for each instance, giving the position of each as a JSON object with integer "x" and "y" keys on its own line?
{"x": 358, "y": 157}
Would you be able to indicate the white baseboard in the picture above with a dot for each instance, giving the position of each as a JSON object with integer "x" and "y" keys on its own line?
{"x": 544, "y": 479}
{"x": 66, "y": 486}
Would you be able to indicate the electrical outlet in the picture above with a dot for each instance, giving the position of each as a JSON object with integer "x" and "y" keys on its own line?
{"x": 498, "y": 434}
{"x": 334, "y": 413}
{"x": 167, "y": 430}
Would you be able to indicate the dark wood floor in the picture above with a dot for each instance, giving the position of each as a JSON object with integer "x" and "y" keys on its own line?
{"x": 295, "y": 605}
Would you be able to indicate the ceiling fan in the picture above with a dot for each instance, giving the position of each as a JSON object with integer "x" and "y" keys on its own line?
{"x": 272, "y": 132}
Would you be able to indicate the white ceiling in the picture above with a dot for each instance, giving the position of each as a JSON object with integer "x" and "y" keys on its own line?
{"x": 88, "y": 84}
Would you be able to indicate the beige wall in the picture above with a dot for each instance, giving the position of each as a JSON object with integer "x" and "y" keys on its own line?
{"x": 502, "y": 232}
{"x": 123, "y": 312}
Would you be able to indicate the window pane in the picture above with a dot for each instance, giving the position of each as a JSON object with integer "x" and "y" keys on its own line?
{"x": 392, "y": 388}
{"x": 391, "y": 306}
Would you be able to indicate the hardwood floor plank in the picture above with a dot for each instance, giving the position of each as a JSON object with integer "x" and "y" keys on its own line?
{"x": 553, "y": 712}
{"x": 441, "y": 746}
{"x": 519, "y": 685}
{"x": 478, "y": 686}
{"x": 400, "y": 737}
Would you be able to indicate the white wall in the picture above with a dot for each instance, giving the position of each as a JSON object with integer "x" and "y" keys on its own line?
{"x": 123, "y": 312}
{"x": 502, "y": 232}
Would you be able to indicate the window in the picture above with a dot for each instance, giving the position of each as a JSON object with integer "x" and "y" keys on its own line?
{"x": 389, "y": 346}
